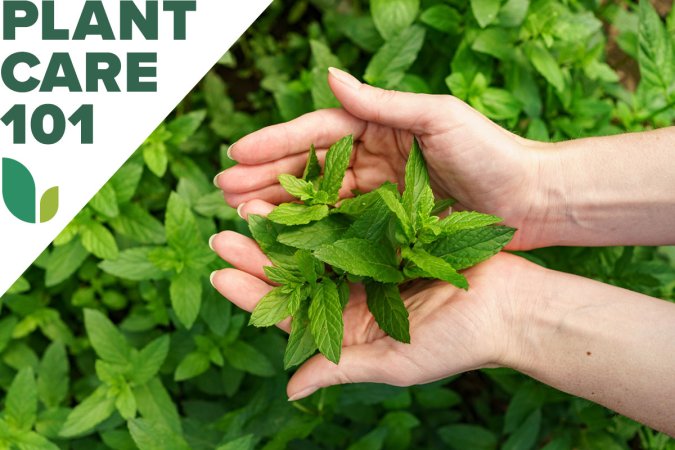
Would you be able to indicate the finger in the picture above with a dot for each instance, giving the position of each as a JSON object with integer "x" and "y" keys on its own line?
{"x": 257, "y": 207}
{"x": 373, "y": 362}
{"x": 240, "y": 251}
{"x": 276, "y": 194}
{"x": 245, "y": 178}
{"x": 243, "y": 289}
{"x": 418, "y": 113}
{"x": 321, "y": 128}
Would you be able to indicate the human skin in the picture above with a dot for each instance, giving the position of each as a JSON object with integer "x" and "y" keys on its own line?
{"x": 599, "y": 342}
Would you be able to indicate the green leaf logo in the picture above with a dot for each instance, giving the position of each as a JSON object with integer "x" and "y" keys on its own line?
{"x": 18, "y": 192}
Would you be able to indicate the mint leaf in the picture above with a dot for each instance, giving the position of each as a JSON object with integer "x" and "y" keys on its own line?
{"x": 441, "y": 206}
{"x": 337, "y": 162}
{"x": 358, "y": 205}
{"x": 296, "y": 214}
{"x": 655, "y": 52}
{"x": 150, "y": 359}
{"x": 312, "y": 169}
{"x": 361, "y": 257}
{"x": 134, "y": 264}
{"x": 386, "y": 305}
{"x": 245, "y": 357}
{"x": 304, "y": 190}
{"x": 466, "y": 220}
{"x": 373, "y": 223}
{"x": 301, "y": 344}
{"x": 485, "y": 11}
{"x": 93, "y": 410}
{"x": 430, "y": 266}
{"x": 418, "y": 199}
{"x": 271, "y": 309}
{"x": 109, "y": 344}
{"x": 389, "y": 65}
{"x": 395, "y": 206}
{"x": 467, "y": 248}
{"x": 21, "y": 401}
{"x": 186, "y": 297}
{"x": 52, "y": 381}
{"x": 98, "y": 240}
{"x": 325, "y": 315}
{"x": 283, "y": 275}
{"x": 309, "y": 267}
{"x": 315, "y": 234}
{"x": 392, "y": 16}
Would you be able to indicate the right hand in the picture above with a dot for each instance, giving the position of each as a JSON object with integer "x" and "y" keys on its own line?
{"x": 469, "y": 157}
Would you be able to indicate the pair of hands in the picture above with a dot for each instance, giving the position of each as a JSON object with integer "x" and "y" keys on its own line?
{"x": 469, "y": 158}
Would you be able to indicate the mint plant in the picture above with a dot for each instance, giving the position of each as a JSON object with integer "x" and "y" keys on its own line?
{"x": 382, "y": 239}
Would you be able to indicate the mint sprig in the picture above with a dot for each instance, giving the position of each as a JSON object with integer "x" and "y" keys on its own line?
{"x": 381, "y": 239}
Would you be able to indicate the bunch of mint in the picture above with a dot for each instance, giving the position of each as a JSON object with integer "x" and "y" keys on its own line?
{"x": 381, "y": 239}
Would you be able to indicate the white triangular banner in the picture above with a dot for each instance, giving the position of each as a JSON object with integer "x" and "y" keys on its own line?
{"x": 121, "y": 121}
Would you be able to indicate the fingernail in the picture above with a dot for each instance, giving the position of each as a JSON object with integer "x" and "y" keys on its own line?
{"x": 212, "y": 276}
{"x": 229, "y": 151}
{"x": 211, "y": 239}
{"x": 239, "y": 208}
{"x": 344, "y": 78}
{"x": 215, "y": 180}
{"x": 303, "y": 393}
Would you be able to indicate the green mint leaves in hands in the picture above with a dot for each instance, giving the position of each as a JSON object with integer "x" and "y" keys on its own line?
{"x": 381, "y": 239}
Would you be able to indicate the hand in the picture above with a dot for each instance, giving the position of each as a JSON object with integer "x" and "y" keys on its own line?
{"x": 469, "y": 158}
{"x": 451, "y": 330}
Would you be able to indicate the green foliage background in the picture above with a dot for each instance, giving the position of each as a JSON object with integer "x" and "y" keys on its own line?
{"x": 115, "y": 339}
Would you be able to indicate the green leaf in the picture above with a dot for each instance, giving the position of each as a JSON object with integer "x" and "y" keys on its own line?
{"x": 467, "y": 220}
{"x": 154, "y": 404}
{"x": 395, "y": 206}
{"x": 126, "y": 403}
{"x": 246, "y": 442}
{"x": 283, "y": 275}
{"x": 525, "y": 437}
{"x": 64, "y": 261}
{"x": 92, "y": 411}
{"x": 105, "y": 201}
{"x": 184, "y": 126}
{"x": 21, "y": 401}
{"x": 99, "y": 241}
{"x": 156, "y": 157}
{"x": 52, "y": 381}
{"x": 434, "y": 267}
{"x": 315, "y": 234}
{"x": 467, "y": 248}
{"x": 49, "y": 204}
{"x": 497, "y": 104}
{"x": 193, "y": 365}
{"x": 32, "y": 441}
{"x": 271, "y": 309}
{"x": 149, "y": 435}
{"x": 296, "y": 214}
{"x": 461, "y": 437}
{"x": 375, "y": 261}
{"x": 495, "y": 42}
{"x": 418, "y": 198}
{"x": 301, "y": 344}
{"x": 125, "y": 181}
{"x": 186, "y": 296}
{"x": 312, "y": 169}
{"x": 325, "y": 316}
{"x": 150, "y": 360}
{"x": 655, "y": 48}
{"x": 485, "y": 11}
{"x": 245, "y": 357}
{"x": 182, "y": 232}
{"x": 134, "y": 264}
{"x": 386, "y": 305}
{"x": 304, "y": 190}
{"x": 18, "y": 190}
{"x": 372, "y": 224}
{"x": 337, "y": 163}
{"x": 322, "y": 95}
{"x": 513, "y": 12}
{"x": 443, "y": 18}
{"x": 441, "y": 206}
{"x": 392, "y": 16}
{"x": 309, "y": 267}
{"x": 393, "y": 59}
{"x": 545, "y": 64}
{"x": 109, "y": 344}
{"x": 136, "y": 223}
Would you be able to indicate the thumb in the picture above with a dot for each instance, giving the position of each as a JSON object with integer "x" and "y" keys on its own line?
{"x": 358, "y": 363}
{"x": 417, "y": 113}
